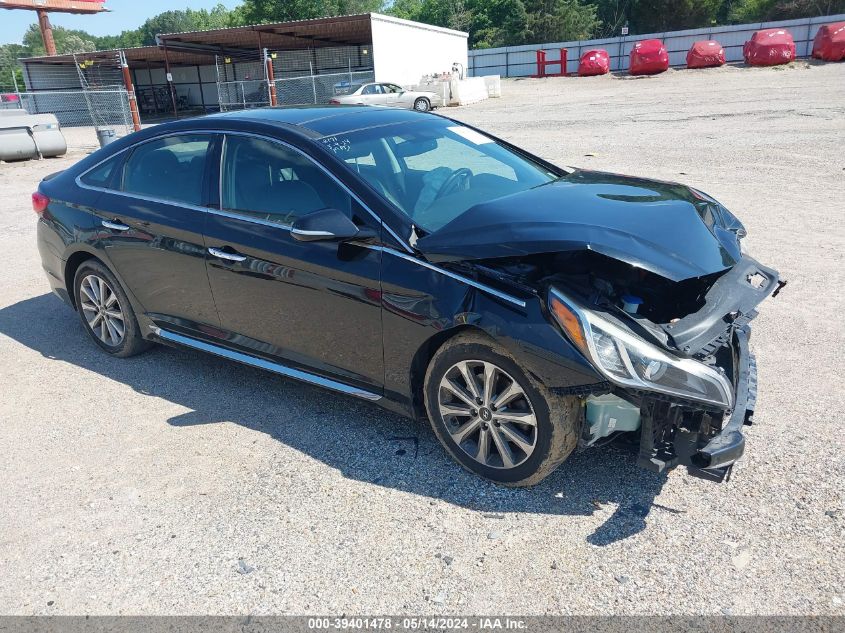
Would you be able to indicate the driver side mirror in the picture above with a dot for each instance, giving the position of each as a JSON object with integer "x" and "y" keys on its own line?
{"x": 328, "y": 225}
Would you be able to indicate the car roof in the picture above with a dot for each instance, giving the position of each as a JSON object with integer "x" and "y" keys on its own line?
{"x": 327, "y": 120}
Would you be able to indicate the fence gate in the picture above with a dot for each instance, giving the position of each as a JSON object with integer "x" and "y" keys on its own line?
{"x": 241, "y": 82}
{"x": 104, "y": 91}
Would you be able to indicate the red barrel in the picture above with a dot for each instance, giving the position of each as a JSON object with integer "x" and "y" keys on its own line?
{"x": 829, "y": 43}
{"x": 706, "y": 54}
{"x": 769, "y": 47}
{"x": 595, "y": 61}
{"x": 649, "y": 57}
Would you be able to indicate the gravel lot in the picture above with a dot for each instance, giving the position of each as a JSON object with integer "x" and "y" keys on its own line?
{"x": 177, "y": 483}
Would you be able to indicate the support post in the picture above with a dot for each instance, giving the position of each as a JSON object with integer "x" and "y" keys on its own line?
{"x": 46, "y": 32}
{"x": 153, "y": 89}
{"x": 15, "y": 80}
{"x": 541, "y": 63}
{"x": 169, "y": 78}
{"x": 271, "y": 79}
{"x": 130, "y": 91}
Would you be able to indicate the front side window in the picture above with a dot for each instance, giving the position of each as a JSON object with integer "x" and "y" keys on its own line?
{"x": 275, "y": 183}
{"x": 170, "y": 168}
{"x": 436, "y": 170}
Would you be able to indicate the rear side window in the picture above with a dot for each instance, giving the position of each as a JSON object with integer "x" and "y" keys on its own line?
{"x": 275, "y": 183}
{"x": 103, "y": 175}
{"x": 170, "y": 168}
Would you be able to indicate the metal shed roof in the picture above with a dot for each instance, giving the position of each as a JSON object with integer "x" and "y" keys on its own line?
{"x": 341, "y": 30}
{"x": 138, "y": 57}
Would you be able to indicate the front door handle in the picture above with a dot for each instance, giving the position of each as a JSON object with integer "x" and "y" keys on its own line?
{"x": 232, "y": 257}
{"x": 117, "y": 226}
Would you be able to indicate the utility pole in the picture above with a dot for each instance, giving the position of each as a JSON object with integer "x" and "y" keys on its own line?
{"x": 46, "y": 32}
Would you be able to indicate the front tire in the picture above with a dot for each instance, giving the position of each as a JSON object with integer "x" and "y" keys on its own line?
{"x": 105, "y": 311}
{"x": 492, "y": 418}
{"x": 422, "y": 105}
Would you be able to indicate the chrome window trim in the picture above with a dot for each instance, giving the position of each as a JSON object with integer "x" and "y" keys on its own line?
{"x": 138, "y": 196}
{"x": 448, "y": 273}
{"x": 260, "y": 363}
{"x": 237, "y": 216}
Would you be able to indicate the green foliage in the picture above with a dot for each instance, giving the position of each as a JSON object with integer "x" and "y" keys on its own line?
{"x": 560, "y": 20}
{"x": 493, "y": 23}
{"x": 261, "y": 11}
{"x": 768, "y": 10}
{"x": 673, "y": 15}
{"x": 67, "y": 40}
{"x": 9, "y": 68}
{"x": 181, "y": 20}
{"x": 613, "y": 15}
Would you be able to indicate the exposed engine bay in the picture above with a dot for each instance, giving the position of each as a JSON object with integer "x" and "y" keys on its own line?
{"x": 701, "y": 319}
{"x": 683, "y": 316}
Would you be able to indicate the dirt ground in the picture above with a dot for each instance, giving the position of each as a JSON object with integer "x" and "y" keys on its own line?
{"x": 177, "y": 483}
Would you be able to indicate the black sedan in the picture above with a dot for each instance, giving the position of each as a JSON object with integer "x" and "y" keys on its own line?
{"x": 407, "y": 259}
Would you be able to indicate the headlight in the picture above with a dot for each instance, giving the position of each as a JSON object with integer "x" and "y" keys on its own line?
{"x": 630, "y": 361}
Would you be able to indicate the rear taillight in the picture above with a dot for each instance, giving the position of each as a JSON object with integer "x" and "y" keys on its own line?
{"x": 334, "y": 102}
{"x": 39, "y": 202}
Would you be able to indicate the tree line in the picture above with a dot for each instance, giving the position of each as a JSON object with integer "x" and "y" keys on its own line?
{"x": 489, "y": 23}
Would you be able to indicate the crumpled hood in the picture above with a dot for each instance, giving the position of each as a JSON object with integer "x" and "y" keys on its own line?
{"x": 666, "y": 228}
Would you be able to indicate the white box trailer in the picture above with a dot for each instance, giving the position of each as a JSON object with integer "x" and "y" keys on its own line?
{"x": 404, "y": 51}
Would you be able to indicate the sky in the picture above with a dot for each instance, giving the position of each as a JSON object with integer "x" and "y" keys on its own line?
{"x": 124, "y": 15}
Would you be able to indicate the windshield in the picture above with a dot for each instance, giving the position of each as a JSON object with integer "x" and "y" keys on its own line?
{"x": 436, "y": 170}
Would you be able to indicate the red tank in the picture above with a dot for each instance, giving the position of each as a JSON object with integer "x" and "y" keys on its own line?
{"x": 706, "y": 54}
{"x": 649, "y": 57}
{"x": 769, "y": 47}
{"x": 829, "y": 43}
{"x": 595, "y": 61}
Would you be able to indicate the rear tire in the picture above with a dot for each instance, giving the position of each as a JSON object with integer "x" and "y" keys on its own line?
{"x": 514, "y": 432}
{"x": 105, "y": 311}
{"x": 422, "y": 105}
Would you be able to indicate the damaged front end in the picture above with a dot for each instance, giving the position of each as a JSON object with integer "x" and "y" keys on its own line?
{"x": 687, "y": 383}
{"x": 649, "y": 282}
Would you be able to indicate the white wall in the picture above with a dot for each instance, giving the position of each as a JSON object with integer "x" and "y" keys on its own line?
{"x": 404, "y": 51}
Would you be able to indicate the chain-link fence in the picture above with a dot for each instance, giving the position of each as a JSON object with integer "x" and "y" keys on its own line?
{"x": 241, "y": 82}
{"x": 74, "y": 108}
{"x": 88, "y": 92}
{"x": 300, "y": 77}
{"x": 319, "y": 89}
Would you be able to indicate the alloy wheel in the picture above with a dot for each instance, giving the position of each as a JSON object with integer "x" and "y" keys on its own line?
{"x": 102, "y": 311}
{"x": 421, "y": 105}
{"x": 488, "y": 414}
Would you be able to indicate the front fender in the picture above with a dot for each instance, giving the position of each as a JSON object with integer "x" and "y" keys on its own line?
{"x": 423, "y": 306}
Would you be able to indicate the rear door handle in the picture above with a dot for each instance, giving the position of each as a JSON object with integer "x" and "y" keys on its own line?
{"x": 117, "y": 226}
{"x": 232, "y": 257}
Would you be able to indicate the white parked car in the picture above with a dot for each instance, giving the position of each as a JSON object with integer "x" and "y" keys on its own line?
{"x": 392, "y": 95}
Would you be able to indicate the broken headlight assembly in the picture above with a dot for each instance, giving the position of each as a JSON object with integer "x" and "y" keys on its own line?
{"x": 629, "y": 361}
